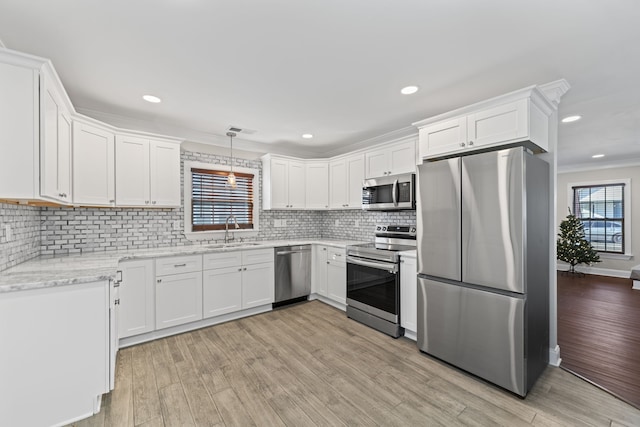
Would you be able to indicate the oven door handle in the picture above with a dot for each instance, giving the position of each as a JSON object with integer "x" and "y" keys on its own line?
{"x": 390, "y": 267}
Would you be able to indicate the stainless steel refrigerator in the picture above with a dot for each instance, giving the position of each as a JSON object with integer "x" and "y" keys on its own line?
{"x": 483, "y": 265}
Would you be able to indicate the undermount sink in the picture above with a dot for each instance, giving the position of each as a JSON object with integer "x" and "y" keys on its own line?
{"x": 232, "y": 245}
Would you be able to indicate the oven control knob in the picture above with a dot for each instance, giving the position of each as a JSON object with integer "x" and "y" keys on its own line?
{"x": 384, "y": 228}
{"x": 413, "y": 229}
{"x": 378, "y": 228}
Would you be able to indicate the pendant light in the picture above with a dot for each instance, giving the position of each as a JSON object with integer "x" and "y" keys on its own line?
{"x": 231, "y": 178}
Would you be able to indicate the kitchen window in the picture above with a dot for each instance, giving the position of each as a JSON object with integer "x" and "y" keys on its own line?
{"x": 209, "y": 201}
{"x": 603, "y": 209}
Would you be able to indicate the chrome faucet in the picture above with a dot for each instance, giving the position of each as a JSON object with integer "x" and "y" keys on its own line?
{"x": 226, "y": 228}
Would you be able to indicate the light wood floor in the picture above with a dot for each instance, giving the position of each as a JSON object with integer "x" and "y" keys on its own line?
{"x": 310, "y": 365}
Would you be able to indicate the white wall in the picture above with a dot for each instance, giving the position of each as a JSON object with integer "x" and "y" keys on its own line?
{"x": 564, "y": 197}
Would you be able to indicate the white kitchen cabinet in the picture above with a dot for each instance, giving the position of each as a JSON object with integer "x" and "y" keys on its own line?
{"x": 520, "y": 117}
{"x": 408, "y": 295}
{"x": 317, "y": 184}
{"x": 147, "y": 172}
{"x": 283, "y": 184}
{"x": 93, "y": 165}
{"x": 336, "y": 275}
{"x": 258, "y": 284}
{"x": 391, "y": 160}
{"x": 345, "y": 179}
{"x": 55, "y": 353}
{"x": 237, "y": 280}
{"x": 137, "y": 298}
{"x": 178, "y": 290}
{"x": 221, "y": 291}
{"x": 55, "y": 143}
{"x": 178, "y": 299}
{"x": 319, "y": 270}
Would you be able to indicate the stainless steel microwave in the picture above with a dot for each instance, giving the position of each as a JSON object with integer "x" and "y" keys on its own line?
{"x": 389, "y": 193}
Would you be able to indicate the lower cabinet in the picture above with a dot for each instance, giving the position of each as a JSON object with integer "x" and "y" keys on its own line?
{"x": 178, "y": 299}
{"x": 234, "y": 281}
{"x": 331, "y": 281}
{"x": 55, "y": 353}
{"x": 136, "y": 311}
{"x": 178, "y": 290}
{"x": 319, "y": 270}
{"x": 408, "y": 294}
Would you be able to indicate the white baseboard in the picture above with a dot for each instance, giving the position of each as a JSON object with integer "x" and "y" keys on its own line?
{"x": 411, "y": 335}
{"x": 636, "y": 285}
{"x": 554, "y": 356}
{"x": 623, "y": 274}
{"x": 328, "y": 301}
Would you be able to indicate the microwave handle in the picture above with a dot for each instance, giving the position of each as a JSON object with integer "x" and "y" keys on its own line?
{"x": 394, "y": 193}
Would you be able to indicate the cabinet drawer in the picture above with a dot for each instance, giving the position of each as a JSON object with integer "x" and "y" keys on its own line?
{"x": 257, "y": 256}
{"x": 180, "y": 264}
{"x": 336, "y": 254}
{"x": 222, "y": 260}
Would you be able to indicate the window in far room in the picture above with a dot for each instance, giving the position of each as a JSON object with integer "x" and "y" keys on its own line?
{"x": 601, "y": 208}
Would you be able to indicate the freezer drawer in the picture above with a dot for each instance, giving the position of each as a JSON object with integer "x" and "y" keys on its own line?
{"x": 478, "y": 331}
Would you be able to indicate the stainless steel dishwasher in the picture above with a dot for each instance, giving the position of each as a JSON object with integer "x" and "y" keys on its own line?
{"x": 293, "y": 274}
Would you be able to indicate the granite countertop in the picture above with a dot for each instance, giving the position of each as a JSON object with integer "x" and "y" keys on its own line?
{"x": 50, "y": 271}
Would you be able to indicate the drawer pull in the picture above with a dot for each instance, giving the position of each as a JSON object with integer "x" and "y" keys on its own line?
{"x": 180, "y": 265}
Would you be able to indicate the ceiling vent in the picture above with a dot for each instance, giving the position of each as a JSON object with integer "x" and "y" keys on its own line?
{"x": 237, "y": 129}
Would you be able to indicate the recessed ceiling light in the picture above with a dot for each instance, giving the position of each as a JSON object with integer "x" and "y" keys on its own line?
{"x": 570, "y": 119}
{"x": 307, "y": 135}
{"x": 409, "y": 90}
{"x": 152, "y": 99}
{"x": 597, "y": 156}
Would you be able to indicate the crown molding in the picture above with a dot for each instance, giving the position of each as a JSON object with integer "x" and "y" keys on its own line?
{"x": 584, "y": 167}
{"x": 386, "y": 138}
{"x": 555, "y": 90}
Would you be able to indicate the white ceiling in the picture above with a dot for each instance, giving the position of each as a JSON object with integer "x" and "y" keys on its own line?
{"x": 334, "y": 68}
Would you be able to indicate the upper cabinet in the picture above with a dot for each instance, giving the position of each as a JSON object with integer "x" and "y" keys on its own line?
{"x": 317, "y": 184}
{"x": 55, "y": 142}
{"x": 520, "y": 117}
{"x": 391, "y": 160}
{"x": 345, "y": 182}
{"x": 93, "y": 165}
{"x": 147, "y": 172}
{"x": 58, "y": 156}
{"x": 283, "y": 185}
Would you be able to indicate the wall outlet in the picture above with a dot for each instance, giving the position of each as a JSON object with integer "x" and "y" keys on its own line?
{"x": 337, "y": 222}
{"x": 284, "y": 222}
{"x": 277, "y": 223}
{"x": 177, "y": 224}
{"x": 8, "y": 233}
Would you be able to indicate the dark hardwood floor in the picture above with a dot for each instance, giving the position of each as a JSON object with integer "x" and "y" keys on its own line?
{"x": 599, "y": 332}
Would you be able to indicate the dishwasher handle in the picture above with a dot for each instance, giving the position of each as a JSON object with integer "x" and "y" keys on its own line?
{"x": 291, "y": 252}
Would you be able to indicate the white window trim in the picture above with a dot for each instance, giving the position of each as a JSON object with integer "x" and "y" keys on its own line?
{"x": 186, "y": 202}
{"x": 627, "y": 212}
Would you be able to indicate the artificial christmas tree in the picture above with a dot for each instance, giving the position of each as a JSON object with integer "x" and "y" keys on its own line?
{"x": 572, "y": 246}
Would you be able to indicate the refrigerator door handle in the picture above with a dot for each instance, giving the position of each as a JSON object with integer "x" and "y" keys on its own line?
{"x": 394, "y": 193}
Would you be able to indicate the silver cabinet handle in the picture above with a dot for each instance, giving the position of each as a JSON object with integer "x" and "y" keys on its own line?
{"x": 154, "y": 202}
{"x": 462, "y": 144}
{"x": 180, "y": 265}
{"x": 245, "y": 269}
{"x": 324, "y": 249}
{"x": 240, "y": 269}
{"x": 146, "y": 202}
{"x": 470, "y": 142}
{"x": 159, "y": 280}
{"x": 112, "y": 201}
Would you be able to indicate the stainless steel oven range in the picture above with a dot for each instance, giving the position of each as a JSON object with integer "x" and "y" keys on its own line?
{"x": 373, "y": 278}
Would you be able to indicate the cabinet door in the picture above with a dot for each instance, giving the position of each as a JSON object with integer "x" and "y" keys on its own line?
{"x": 165, "y": 174}
{"x": 402, "y": 158}
{"x": 296, "y": 185}
{"x": 337, "y": 281}
{"x": 317, "y": 185}
{"x": 178, "y": 299}
{"x": 377, "y": 163}
{"x": 443, "y": 137}
{"x": 319, "y": 271}
{"x": 221, "y": 291}
{"x": 132, "y": 171}
{"x": 137, "y": 299}
{"x": 499, "y": 124}
{"x": 55, "y": 145}
{"x": 408, "y": 294}
{"x": 257, "y": 285}
{"x": 338, "y": 192}
{"x": 279, "y": 184}
{"x": 355, "y": 166}
{"x": 93, "y": 165}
